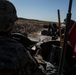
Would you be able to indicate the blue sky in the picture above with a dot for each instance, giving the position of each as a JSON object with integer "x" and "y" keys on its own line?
{"x": 45, "y": 10}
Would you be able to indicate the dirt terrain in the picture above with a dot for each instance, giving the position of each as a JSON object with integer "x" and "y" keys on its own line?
{"x": 29, "y": 26}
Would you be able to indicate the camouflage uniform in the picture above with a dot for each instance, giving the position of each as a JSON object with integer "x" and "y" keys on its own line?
{"x": 12, "y": 51}
{"x": 14, "y": 58}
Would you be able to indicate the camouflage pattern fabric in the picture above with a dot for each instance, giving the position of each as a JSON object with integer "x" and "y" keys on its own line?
{"x": 7, "y": 15}
{"x": 15, "y": 59}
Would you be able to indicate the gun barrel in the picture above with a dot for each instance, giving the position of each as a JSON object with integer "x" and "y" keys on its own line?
{"x": 63, "y": 52}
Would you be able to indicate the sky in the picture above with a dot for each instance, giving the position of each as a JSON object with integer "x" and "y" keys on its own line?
{"x": 46, "y": 10}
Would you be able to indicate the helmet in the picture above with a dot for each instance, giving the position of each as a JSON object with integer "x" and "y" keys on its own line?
{"x": 7, "y": 15}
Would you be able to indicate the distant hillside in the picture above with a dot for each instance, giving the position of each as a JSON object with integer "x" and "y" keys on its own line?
{"x": 33, "y": 21}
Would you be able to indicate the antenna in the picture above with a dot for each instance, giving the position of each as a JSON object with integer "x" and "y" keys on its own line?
{"x": 63, "y": 52}
{"x": 59, "y": 23}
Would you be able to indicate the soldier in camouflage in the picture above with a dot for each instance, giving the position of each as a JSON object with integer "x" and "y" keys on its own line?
{"x": 14, "y": 57}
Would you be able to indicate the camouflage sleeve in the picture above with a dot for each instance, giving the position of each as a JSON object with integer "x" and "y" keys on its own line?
{"x": 27, "y": 64}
